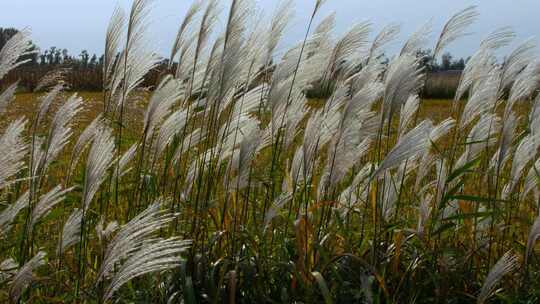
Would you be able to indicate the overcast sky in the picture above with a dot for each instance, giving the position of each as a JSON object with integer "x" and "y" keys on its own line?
{"x": 81, "y": 24}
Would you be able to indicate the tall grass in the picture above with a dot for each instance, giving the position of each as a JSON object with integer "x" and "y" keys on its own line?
{"x": 234, "y": 187}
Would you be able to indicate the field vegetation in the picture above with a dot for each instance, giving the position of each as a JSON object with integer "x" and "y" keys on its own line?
{"x": 224, "y": 183}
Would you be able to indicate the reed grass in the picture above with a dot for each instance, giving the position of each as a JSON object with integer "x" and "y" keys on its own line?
{"x": 225, "y": 184}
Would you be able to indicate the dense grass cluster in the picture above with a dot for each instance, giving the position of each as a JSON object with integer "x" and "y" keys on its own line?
{"x": 224, "y": 184}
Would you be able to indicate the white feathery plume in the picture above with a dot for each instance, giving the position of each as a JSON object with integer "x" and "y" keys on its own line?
{"x": 483, "y": 99}
{"x": 277, "y": 205}
{"x": 187, "y": 55}
{"x": 243, "y": 125}
{"x": 103, "y": 232}
{"x": 197, "y": 166}
{"x": 17, "y": 46}
{"x": 481, "y": 134}
{"x": 139, "y": 63}
{"x": 525, "y": 153}
{"x": 12, "y": 151}
{"x": 112, "y": 43}
{"x": 385, "y": 36}
{"x": 53, "y": 78}
{"x": 534, "y": 117}
{"x": 211, "y": 67}
{"x": 71, "y": 233}
{"x": 441, "y": 129}
{"x": 85, "y": 139}
{"x": 133, "y": 236}
{"x": 455, "y": 28}
{"x": 341, "y": 158}
{"x": 297, "y": 171}
{"x": 168, "y": 130}
{"x": 208, "y": 20}
{"x": 253, "y": 58}
{"x": 442, "y": 176}
{"x": 183, "y": 30}
{"x": 38, "y": 154}
{"x": 233, "y": 55}
{"x": 138, "y": 20}
{"x": 243, "y": 156}
{"x": 423, "y": 214}
{"x": 316, "y": 134}
{"x": 100, "y": 159}
{"x": 317, "y": 50}
{"x": 407, "y": 113}
{"x": 531, "y": 180}
{"x": 477, "y": 68}
{"x": 135, "y": 60}
{"x": 403, "y": 79}
{"x": 25, "y": 276}
{"x": 116, "y": 78}
{"x": 520, "y": 57}
{"x": 294, "y": 114}
{"x": 253, "y": 61}
{"x": 280, "y": 19}
{"x": 7, "y": 96}
{"x": 361, "y": 103}
{"x": 417, "y": 40}
{"x": 534, "y": 234}
{"x": 276, "y": 99}
{"x": 483, "y": 62}
{"x": 47, "y": 202}
{"x": 369, "y": 74}
{"x": 507, "y": 136}
{"x": 332, "y": 115}
{"x": 190, "y": 140}
{"x": 228, "y": 100}
{"x": 405, "y": 169}
{"x": 362, "y": 175}
{"x": 47, "y": 100}
{"x": 10, "y": 212}
{"x": 505, "y": 265}
{"x": 321, "y": 36}
{"x": 499, "y": 38}
{"x": 408, "y": 146}
{"x": 59, "y": 134}
{"x": 353, "y": 138}
{"x": 152, "y": 257}
{"x": 235, "y": 138}
{"x": 317, "y": 41}
{"x": 120, "y": 170}
{"x": 250, "y": 101}
{"x": 425, "y": 164}
{"x": 525, "y": 84}
{"x": 247, "y": 146}
{"x": 196, "y": 71}
{"x": 349, "y": 196}
{"x": 162, "y": 100}
{"x": 390, "y": 194}
{"x": 346, "y": 48}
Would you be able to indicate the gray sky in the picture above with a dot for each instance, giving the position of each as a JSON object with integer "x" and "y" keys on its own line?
{"x": 78, "y": 24}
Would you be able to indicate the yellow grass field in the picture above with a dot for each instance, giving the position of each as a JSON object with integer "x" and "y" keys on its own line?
{"x": 26, "y": 103}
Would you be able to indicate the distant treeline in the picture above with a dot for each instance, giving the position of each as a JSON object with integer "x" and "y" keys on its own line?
{"x": 77, "y": 77}
{"x": 84, "y": 71}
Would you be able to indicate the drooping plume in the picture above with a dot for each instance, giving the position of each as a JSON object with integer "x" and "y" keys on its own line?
{"x": 455, "y": 28}
{"x": 19, "y": 45}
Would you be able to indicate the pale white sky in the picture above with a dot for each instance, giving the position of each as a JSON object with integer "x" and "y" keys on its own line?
{"x": 81, "y": 24}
